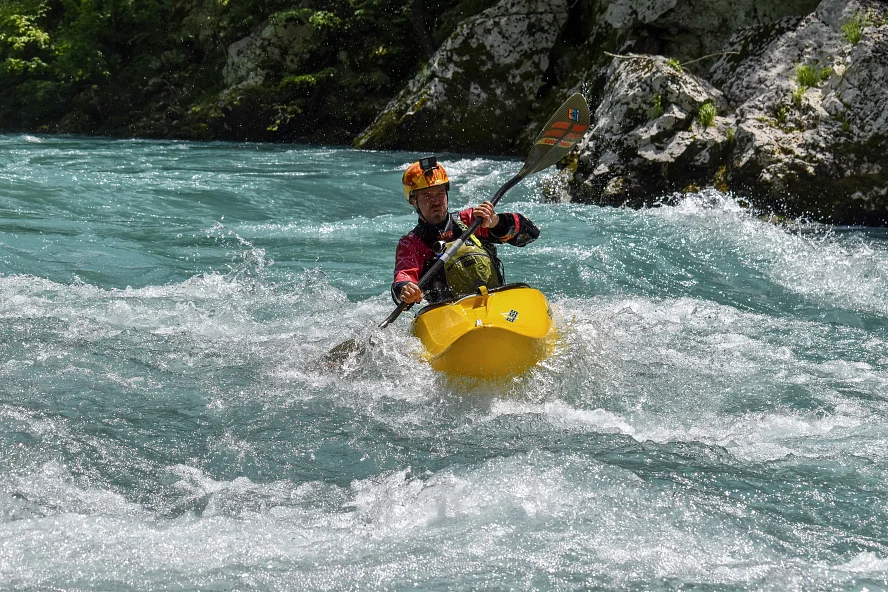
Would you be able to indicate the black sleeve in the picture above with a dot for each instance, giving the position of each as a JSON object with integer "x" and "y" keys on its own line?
{"x": 514, "y": 229}
{"x": 396, "y": 291}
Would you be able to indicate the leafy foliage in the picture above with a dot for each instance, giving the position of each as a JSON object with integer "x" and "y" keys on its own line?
{"x": 23, "y": 43}
{"x": 155, "y": 67}
{"x": 675, "y": 64}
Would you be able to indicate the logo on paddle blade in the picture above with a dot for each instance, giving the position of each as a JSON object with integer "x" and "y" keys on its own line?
{"x": 511, "y": 315}
{"x": 574, "y": 114}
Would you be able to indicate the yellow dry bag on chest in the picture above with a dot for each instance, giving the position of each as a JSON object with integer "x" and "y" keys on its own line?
{"x": 470, "y": 267}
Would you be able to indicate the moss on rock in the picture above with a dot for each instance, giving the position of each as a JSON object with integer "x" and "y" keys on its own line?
{"x": 476, "y": 92}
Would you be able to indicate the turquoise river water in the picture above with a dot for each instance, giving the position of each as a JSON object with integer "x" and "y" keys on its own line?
{"x": 714, "y": 417}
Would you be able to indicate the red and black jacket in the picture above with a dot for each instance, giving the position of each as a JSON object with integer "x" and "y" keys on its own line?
{"x": 415, "y": 254}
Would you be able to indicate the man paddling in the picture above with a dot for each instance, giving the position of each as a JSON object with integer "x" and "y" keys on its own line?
{"x": 425, "y": 184}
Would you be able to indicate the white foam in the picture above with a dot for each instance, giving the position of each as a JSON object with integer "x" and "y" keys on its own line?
{"x": 867, "y": 563}
{"x": 52, "y": 488}
{"x": 563, "y": 416}
{"x": 829, "y": 268}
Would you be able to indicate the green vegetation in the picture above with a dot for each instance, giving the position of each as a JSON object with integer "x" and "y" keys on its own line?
{"x": 731, "y": 134}
{"x": 657, "y": 109}
{"x": 706, "y": 114}
{"x": 797, "y": 96}
{"x": 853, "y": 27}
{"x": 781, "y": 114}
{"x": 674, "y": 64}
{"x": 809, "y": 76}
{"x": 155, "y": 67}
{"x": 721, "y": 179}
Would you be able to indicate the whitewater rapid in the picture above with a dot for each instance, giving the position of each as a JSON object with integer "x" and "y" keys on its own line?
{"x": 713, "y": 416}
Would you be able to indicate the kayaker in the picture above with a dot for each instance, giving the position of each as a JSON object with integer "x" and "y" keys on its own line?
{"x": 426, "y": 186}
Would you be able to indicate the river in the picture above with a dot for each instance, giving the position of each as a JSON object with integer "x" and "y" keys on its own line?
{"x": 714, "y": 417}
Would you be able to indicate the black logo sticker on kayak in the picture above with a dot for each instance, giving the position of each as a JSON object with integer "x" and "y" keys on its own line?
{"x": 511, "y": 315}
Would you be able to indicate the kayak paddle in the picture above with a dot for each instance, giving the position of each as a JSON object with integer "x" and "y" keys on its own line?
{"x": 560, "y": 134}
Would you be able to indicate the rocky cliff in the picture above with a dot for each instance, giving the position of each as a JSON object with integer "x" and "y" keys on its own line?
{"x": 476, "y": 91}
{"x": 783, "y": 103}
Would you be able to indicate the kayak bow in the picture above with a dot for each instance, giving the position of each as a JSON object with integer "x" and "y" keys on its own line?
{"x": 496, "y": 333}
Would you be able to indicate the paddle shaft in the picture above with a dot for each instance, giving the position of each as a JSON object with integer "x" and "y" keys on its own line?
{"x": 446, "y": 255}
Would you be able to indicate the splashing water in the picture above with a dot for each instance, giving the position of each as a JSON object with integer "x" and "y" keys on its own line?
{"x": 713, "y": 417}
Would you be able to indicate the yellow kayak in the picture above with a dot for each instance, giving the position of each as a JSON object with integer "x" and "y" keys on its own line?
{"x": 496, "y": 333}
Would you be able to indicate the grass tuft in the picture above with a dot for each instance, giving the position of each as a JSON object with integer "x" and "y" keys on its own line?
{"x": 781, "y": 114}
{"x": 657, "y": 110}
{"x": 797, "y": 96}
{"x": 810, "y": 76}
{"x": 853, "y": 28}
{"x": 707, "y": 114}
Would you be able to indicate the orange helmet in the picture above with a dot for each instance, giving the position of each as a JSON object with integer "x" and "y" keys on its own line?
{"x": 424, "y": 173}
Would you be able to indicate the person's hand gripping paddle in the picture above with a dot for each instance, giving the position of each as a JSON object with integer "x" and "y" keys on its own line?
{"x": 559, "y": 136}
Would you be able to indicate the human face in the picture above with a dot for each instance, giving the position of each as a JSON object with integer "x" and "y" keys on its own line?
{"x": 432, "y": 203}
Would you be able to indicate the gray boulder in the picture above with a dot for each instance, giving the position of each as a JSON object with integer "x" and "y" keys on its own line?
{"x": 812, "y": 129}
{"x": 801, "y": 126}
{"x": 476, "y": 92}
{"x": 283, "y": 42}
{"x": 648, "y": 137}
{"x": 689, "y": 29}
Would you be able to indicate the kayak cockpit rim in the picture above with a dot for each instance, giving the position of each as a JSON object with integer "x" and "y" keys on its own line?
{"x": 450, "y": 301}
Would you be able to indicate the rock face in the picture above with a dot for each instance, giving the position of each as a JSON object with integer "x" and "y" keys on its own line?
{"x": 476, "y": 91}
{"x": 280, "y": 43}
{"x": 791, "y": 114}
{"x": 816, "y": 147}
{"x": 688, "y": 29}
{"x": 651, "y": 135}
{"x": 801, "y": 126}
